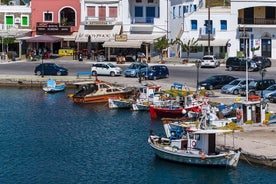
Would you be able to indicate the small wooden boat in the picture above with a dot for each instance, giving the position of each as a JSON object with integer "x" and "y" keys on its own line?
{"x": 99, "y": 91}
{"x": 119, "y": 103}
{"x": 184, "y": 144}
{"x": 52, "y": 86}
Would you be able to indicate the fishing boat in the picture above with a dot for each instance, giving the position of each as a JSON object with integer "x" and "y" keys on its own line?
{"x": 52, "y": 86}
{"x": 194, "y": 146}
{"x": 99, "y": 91}
{"x": 139, "y": 101}
{"x": 175, "y": 108}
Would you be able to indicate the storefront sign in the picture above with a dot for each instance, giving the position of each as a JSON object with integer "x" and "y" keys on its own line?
{"x": 44, "y": 27}
{"x": 121, "y": 37}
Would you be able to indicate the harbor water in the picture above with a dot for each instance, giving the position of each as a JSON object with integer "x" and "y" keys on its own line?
{"x": 46, "y": 138}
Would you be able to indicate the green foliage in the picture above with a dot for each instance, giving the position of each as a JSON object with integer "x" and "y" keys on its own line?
{"x": 190, "y": 46}
{"x": 8, "y": 40}
{"x": 161, "y": 43}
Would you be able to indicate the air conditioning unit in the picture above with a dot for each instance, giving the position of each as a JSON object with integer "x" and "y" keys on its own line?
{"x": 17, "y": 20}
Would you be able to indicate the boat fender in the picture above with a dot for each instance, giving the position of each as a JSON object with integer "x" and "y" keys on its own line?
{"x": 193, "y": 144}
{"x": 203, "y": 156}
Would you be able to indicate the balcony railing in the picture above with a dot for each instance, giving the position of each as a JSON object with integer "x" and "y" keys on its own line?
{"x": 4, "y": 27}
{"x": 144, "y": 20}
{"x": 203, "y": 33}
{"x": 259, "y": 21}
{"x": 99, "y": 21}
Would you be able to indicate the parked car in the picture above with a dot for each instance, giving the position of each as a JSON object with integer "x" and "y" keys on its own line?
{"x": 216, "y": 81}
{"x": 134, "y": 69}
{"x": 268, "y": 91}
{"x": 235, "y": 63}
{"x": 272, "y": 97}
{"x": 234, "y": 86}
{"x": 103, "y": 68}
{"x": 255, "y": 86}
{"x": 209, "y": 61}
{"x": 50, "y": 69}
{"x": 262, "y": 62}
{"x": 157, "y": 72}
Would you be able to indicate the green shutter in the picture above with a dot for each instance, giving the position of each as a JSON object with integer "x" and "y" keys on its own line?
{"x": 24, "y": 21}
{"x": 9, "y": 19}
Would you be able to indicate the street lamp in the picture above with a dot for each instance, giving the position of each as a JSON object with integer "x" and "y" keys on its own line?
{"x": 198, "y": 65}
{"x": 262, "y": 72}
{"x": 42, "y": 66}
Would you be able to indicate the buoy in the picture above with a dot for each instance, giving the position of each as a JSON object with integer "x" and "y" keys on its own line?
{"x": 203, "y": 156}
{"x": 70, "y": 95}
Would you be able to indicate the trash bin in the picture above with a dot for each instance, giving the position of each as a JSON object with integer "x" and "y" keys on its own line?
{"x": 80, "y": 57}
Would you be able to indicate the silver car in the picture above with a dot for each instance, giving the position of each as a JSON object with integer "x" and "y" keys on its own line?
{"x": 234, "y": 86}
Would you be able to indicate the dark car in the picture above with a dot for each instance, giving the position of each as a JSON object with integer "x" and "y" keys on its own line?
{"x": 50, "y": 69}
{"x": 235, "y": 63}
{"x": 216, "y": 81}
{"x": 272, "y": 97}
{"x": 255, "y": 86}
{"x": 262, "y": 62}
{"x": 157, "y": 72}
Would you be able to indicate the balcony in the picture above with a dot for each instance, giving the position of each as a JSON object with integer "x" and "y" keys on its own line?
{"x": 99, "y": 21}
{"x": 203, "y": 33}
{"x": 4, "y": 27}
{"x": 143, "y": 20}
{"x": 256, "y": 21}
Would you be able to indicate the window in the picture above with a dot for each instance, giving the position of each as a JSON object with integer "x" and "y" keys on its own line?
{"x": 194, "y": 24}
{"x": 150, "y": 1}
{"x": 223, "y": 25}
{"x": 138, "y": 1}
{"x": 179, "y": 11}
{"x": 195, "y": 7}
{"x": 24, "y": 20}
{"x": 113, "y": 11}
{"x": 173, "y": 12}
{"x": 91, "y": 11}
{"x": 138, "y": 11}
{"x": 48, "y": 16}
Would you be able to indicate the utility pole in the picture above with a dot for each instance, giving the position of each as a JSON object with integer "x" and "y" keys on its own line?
{"x": 209, "y": 29}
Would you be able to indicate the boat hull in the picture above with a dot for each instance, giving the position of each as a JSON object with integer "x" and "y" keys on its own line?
{"x": 184, "y": 156}
{"x": 98, "y": 98}
{"x": 54, "y": 89}
{"x": 119, "y": 104}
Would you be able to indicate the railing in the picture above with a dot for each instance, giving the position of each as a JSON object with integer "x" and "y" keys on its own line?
{"x": 8, "y": 26}
{"x": 99, "y": 21}
{"x": 259, "y": 21}
{"x": 144, "y": 20}
{"x": 203, "y": 33}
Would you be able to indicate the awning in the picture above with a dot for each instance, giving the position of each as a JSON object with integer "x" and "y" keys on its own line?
{"x": 123, "y": 44}
{"x": 71, "y": 37}
{"x": 214, "y": 43}
{"x": 147, "y": 38}
{"x": 97, "y": 35}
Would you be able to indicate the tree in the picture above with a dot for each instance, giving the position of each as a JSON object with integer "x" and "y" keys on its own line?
{"x": 161, "y": 44}
{"x": 187, "y": 46}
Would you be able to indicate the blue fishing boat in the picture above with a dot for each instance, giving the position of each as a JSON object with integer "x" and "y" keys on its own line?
{"x": 52, "y": 86}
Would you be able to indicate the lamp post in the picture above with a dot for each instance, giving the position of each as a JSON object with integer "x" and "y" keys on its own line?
{"x": 42, "y": 66}
{"x": 262, "y": 72}
{"x": 198, "y": 64}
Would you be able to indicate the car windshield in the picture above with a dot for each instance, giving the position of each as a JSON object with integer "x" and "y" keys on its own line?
{"x": 133, "y": 66}
{"x": 152, "y": 68}
{"x": 235, "y": 82}
{"x": 253, "y": 83}
{"x": 111, "y": 65}
{"x": 271, "y": 88}
{"x": 211, "y": 78}
{"x": 207, "y": 58}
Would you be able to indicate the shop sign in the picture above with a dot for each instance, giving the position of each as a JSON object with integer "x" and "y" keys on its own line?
{"x": 121, "y": 37}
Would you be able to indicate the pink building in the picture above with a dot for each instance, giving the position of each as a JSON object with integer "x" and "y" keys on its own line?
{"x": 59, "y": 18}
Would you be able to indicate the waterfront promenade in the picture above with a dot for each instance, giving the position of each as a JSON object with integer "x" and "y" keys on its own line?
{"x": 257, "y": 141}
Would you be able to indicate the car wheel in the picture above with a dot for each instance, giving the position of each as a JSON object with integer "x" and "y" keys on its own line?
{"x": 58, "y": 73}
{"x": 112, "y": 74}
{"x": 211, "y": 87}
{"x": 167, "y": 76}
{"x": 154, "y": 78}
{"x": 94, "y": 73}
{"x": 235, "y": 92}
{"x": 230, "y": 68}
{"x": 38, "y": 73}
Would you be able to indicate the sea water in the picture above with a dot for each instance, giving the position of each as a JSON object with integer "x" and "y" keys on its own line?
{"x": 46, "y": 138}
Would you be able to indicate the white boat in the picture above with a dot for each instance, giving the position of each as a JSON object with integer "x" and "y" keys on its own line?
{"x": 52, "y": 86}
{"x": 193, "y": 146}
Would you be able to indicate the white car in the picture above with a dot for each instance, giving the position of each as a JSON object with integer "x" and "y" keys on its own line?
{"x": 102, "y": 68}
{"x": 209, "y": 61}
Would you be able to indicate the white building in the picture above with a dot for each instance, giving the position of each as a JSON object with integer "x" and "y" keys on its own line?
{"x": 123, "y": 25}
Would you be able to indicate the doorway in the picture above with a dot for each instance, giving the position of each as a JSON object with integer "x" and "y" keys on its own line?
{"x": 266, "y": 47}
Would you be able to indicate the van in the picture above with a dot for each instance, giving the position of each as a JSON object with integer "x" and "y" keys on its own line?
{"x": 255, "y": 86}
{"x": 235, "y": 63}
